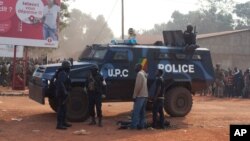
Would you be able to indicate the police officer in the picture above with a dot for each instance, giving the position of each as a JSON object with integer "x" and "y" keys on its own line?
{"x": 189, "y": 36}
{"x": 158, "y": 101}
{"x": 62, "y": 90}
{"x": 95, "y": 88}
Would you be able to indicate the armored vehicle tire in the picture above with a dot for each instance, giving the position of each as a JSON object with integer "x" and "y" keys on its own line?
{"x": 53, "y": 103}
{"x": 178, "y": 102}
{"x": 77, "y": 105}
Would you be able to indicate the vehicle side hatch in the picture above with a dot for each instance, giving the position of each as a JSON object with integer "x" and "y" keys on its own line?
{"x": 36, "y": 86}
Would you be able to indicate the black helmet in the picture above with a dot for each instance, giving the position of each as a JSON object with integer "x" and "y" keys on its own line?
{"x": 94, "y": 70}
{"x": 66, "y": 64}
{"x": 190, "y": 28}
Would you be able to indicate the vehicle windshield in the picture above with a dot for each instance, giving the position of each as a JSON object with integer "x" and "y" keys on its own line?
{"x": 91, "y": 53}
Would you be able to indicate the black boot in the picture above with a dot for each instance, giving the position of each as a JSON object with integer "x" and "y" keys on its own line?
{"x": 100, "y": 122}
{"x": 154, "y": 125}
{"x": 67, "y": 124}
{"x": 61, "y": 127}
{"x": 93, "y": 122}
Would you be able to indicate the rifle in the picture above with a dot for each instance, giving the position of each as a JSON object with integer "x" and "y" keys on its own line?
{"x": 195, "y": 32}
{"x": 66, "y": 100}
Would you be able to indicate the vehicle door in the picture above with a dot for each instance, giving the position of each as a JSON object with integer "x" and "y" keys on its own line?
{"x": 117, "y": 74}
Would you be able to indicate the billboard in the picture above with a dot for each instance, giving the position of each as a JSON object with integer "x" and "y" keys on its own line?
{"x": 29, "y": 22}
{"x": 8, "y": 51}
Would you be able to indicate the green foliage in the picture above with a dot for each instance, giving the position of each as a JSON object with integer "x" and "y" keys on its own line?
{"x": 243, "y": 12}
{"x": 82, "y": 30}
{"x": 64, "y": 14}
{"x": 213, "y": 16}
{"x": 206, "y": 22}
{"x": 224, "y": 6}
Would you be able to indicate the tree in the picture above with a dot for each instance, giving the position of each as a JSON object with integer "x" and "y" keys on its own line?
{"x": 243, "y": 12}
{"x": 64, "y": 14}
{"x": 211, "y": 17}
{"x": 221, "y": 6}
{"x": 82, "y": 30}
{"x": 206, "y": 22}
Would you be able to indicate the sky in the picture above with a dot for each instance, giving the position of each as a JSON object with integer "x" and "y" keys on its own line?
{"x": 139, "y": 14}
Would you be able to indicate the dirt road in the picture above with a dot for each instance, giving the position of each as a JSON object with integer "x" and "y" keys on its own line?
{"x": 209, "y": 120}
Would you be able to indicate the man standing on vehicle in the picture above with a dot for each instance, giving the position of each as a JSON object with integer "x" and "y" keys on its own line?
{"x": 189, "y": 36}
{"x": 95, "y": 90}
{"x": 190, "y": 41}
{"x": 62, "y": 90}
{"x": 140, "y": 99}
{"x": 158, "y": 101}
{"x": 132, "y": 36}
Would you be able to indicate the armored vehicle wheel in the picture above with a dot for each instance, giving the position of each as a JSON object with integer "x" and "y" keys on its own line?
{"x": 77, "y": 105}
{"x": 53, "y": 103}
{"x": 178, "y": 102}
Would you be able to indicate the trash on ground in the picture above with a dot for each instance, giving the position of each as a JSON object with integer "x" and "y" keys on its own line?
{"x": 81, "y": 132}
{"x": 16, "y": 119}
{"x": 151, "y": 128}
{"x": 36, "y": 131}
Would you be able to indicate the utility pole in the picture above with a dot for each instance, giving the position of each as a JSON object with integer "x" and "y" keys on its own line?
{"x": 123, "y": 19}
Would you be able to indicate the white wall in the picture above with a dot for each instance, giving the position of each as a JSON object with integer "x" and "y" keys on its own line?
{"x": 230, "y": 50}
{"x": 8, "y": 51}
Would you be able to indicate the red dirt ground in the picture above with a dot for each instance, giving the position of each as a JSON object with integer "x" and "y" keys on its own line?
{"x": 209, "y": 120}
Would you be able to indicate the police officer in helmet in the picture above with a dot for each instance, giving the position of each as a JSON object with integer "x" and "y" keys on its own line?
{"x": 62, "y": 90}
{"x": 95, "y": 88}
{"x": 189, "y": 36}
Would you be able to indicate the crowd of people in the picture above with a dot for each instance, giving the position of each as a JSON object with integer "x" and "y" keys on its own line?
{"x": 231, "y": 83}
{"x": 5, "y": 74}
{"x": 6, "y": 69}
